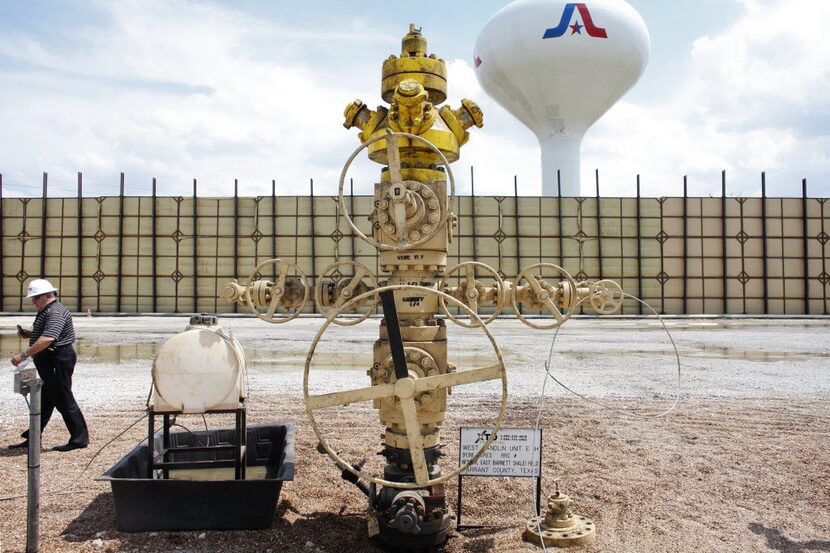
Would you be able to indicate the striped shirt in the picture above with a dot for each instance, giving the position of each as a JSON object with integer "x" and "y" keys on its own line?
{"x": 53, "y": 321}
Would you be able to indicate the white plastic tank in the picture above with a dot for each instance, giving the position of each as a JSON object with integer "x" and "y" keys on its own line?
{"x": 558, "y": 67}
{"x": 199, "y": 370}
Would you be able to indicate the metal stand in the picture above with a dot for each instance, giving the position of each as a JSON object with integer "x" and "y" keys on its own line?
{"x": 33, "y": 500}
{"x": 165, "y": 459}
{"x": 459, "y": 526}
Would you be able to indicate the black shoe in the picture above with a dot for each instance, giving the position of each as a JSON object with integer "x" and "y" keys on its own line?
{"x": 68, "y": 447}
{"x": 21, "y": 445}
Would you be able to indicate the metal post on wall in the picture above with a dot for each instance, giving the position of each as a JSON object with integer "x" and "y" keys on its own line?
{"x": 764, "y": 242}
{"x": 80, "y": 241}
{"x": 43, "y": 227}
{"x": 599, "y": 225}
{"x": 313, "y": 247}
{"x": 195, "y": 247}
{"x": 120, "y": 245}
{"x": 235, "y": 234}
{"x": 154, "y": 250}
{"x": 273, "y": 225}
{"x": 639, "y": 252}
{"x": 351, "y": 210}
{"x": 804, "y": 231}
{"x": 472, "y": 214}
{"x": 516, "y": 224}
{"x": 685, "y": 245}
{"x": 723, "y": 235}
{"x": 559, "y": 215}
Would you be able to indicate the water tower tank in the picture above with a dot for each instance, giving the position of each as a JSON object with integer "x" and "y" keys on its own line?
{"x": 557, "y": 67}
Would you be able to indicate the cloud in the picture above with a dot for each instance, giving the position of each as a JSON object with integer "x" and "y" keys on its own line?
{"x": 173, "y": 90}
{"x": 755, "y": 97}
{"x": 180, "y": 90}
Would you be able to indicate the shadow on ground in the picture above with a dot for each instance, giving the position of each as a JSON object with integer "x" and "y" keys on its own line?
{"x": 779, "y": 542}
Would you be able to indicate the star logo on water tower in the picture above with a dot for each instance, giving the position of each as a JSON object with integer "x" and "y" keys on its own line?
{"x": 576, "y": 28}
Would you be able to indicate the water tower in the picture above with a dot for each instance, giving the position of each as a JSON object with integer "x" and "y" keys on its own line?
{"x": 557, "y": 67}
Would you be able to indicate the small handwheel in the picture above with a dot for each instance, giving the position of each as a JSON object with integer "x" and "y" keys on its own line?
{"x": 398, "y": 194}
{"x": 544, "y": 294}
{"x": 289, "y": 291}
{"x": 472, "y": 290}
{"x": 346, "y": 288}
{"x": 606, "y": 297}
{"x": 405, "y": 389}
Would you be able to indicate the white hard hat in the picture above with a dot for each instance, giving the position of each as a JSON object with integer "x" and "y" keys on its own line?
{"x": 40, "y": 286}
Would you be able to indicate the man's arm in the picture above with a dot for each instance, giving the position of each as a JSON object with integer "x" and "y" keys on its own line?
{"x": 40, "y": 344}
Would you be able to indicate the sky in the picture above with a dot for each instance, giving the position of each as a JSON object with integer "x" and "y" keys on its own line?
{"x": 254, "y": 90}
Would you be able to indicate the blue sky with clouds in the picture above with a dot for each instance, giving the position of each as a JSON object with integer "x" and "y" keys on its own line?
{"x": 255, "y": 90}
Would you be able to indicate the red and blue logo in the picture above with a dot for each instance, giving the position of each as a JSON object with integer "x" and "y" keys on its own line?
{"x": 576, "y": 28}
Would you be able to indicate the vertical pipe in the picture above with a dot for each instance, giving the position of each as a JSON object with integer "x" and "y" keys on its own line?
{"x": 80, "y": 305}
{"x": 559, "y": 215}
{"x": 764, "y": 245}
{"x": 723, "y": 236}
{"x": 639, "y": 251}
{"x": 120, "y": 245}
{"x": 43, "y": 228}
{"x": 33, "y": 499}
{"x": 473, "y": 214}
{"x": 154, "y": 250}
{"x": 235, "y": 234}
{"x": 685, "y": 245}
{"x": 806, "y": 247}
{"x": 599, "y": 225}
{"x": 313, "y": 249}
{"x": 195, "y": 248}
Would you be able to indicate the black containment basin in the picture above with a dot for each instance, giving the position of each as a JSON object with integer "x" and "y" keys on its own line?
{"x": 204, "y": 499}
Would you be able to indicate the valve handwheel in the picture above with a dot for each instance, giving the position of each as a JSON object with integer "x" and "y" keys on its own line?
{"x": 272, "y": 295}
{"x": 470, "y": 287}
{"x": 405, "y": 388}
{"x": 398, "y": 193}
{"x": 542, "y": 295}
{"x": 606, "y": 297}
{"x": 346, "y": 290}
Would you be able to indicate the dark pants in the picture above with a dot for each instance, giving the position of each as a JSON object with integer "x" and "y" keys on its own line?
{"x": 55, "y": 369}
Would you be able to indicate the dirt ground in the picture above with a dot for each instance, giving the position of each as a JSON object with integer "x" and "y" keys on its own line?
{"x": 720, "y": 474}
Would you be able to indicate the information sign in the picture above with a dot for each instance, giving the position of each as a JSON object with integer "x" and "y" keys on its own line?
{"x": 514, "y": 452}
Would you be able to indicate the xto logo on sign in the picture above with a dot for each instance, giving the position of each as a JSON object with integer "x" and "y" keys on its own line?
{"x": 576, "y": 28}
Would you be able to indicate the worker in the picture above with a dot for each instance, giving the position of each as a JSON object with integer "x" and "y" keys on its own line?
{"x": 50, "y": 347}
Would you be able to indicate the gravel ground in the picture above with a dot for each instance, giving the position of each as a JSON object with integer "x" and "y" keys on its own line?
{"x": 740, "y": 465}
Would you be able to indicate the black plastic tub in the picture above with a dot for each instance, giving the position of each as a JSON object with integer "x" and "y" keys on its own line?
{"x": 204, "y": 500}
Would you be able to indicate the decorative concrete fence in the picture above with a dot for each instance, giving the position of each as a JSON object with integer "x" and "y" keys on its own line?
{"x": 140, "y": 254}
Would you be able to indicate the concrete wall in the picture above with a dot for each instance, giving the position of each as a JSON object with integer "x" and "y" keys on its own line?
{"x": 172, "y": 254}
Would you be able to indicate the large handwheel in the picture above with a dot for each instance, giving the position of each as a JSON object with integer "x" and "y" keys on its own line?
{"x": 470, "y": 288}
{"x": 543, "y": 293}
{"x": 398, "y": 193}
{"x": 405, "y": 389}
{"x": 346, "y": 286}
{"x": 273, "y": 295}
{"x": 606, "y": 297}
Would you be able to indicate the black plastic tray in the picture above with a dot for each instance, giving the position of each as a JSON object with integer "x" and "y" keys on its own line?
{"x": 142, "y": 504}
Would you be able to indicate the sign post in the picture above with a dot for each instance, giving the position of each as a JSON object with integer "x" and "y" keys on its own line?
{"x": 514, "y": 452}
